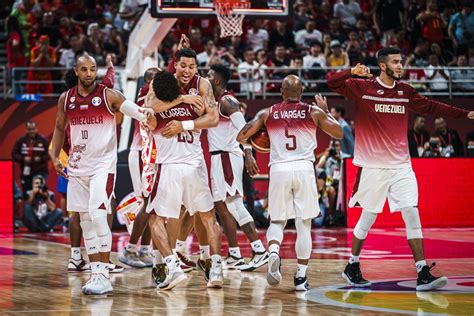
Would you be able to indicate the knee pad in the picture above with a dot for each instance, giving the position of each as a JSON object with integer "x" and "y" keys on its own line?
{"x": 303, "y": 246}
{"x": 275, "y": 231}
{"x": 411, "y": 217}
{"x": 91, "y": 241}
{"x": 102, "y": 229}
{"x": 237, "y": 208}
{"x": 366, "y": 220}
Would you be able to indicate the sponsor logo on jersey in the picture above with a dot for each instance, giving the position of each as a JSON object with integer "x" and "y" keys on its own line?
{"x": 380, "y": 92}
{"x": 72, "y": 99}
{"x": 84, "y": 106}
{"x": 292, "y": 114}
{"x": 72, "y": 106}
{"x": 193, "y": 91}
{"x": 389, "y": 108}
{"x": 96, "y": 101}
{"x": 400, "y": 92}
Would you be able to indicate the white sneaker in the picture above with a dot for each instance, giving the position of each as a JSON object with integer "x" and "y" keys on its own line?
{"x": 100, "y": 285}
{"x": 232, "y": 262}
{"x": 216, "y": 277}
{"x": 274, "y": 274}
{"x": 131, "y": 259}
{"x": 172, "y": 279}
{"x": 146, "y": 258}
{"x": 89, "y": 282}
{"x": 78, "y": 265}
{"x": 258, "y": 260}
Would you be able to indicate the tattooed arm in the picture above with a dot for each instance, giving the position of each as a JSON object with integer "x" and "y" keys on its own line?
{"x": 253, "y": 126}
{"x": 58, "y": 136}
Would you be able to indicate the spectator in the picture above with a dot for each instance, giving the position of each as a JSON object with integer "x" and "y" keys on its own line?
{"x": 335, "y": 57}
{"x": 335, "y": 31}
{"x": 280, "y": 60}
{"x": 94, "y": 44}
{"x": 445, "y": 57}
{"x": 418, "y": 137}
{"x": 257, "y": 36}
{"x": 251, "y": 73}
{"x": 26, "y": 20}
{"x": 301, "y": 17}
{"x": 415, "y": 7}
{"x": 103, "y": 27}
{"x": 432, "y": 24}
{"x": 315, "y": 56}
{"x": 281, "y": 34}
{"x": 414, "y": 75}
{"x": 372, "y": 46}
{"x": 388, "y": 17}
{"x": 228, "y": 57}
{"x": 400, "y": 42}
{"x": 470, "y": 144}
{"x": 451, "y": 143}
{"x": 347, "y": 141}
{"x": 31, "y": 152}
{"x": 40, "y": 213}
{"x": 323, "y": 16}
{"x": 323, "y": 200}
{"x": 68, "y": 56}
{"x": 347, "y": 11}
{"x": 463, "y": 74}
{"x": 203, "y": 57}
{"x": 50, "y": 29}
{"x": 68, "y": 29}
{"x": 438, "y": 78}
{"x": 461, "y": 27}
{"x": 304, "y": 38}
{"x": 419, "y": 54}
{"x": 114, "y": 44}
{"x": 355, "y": 49}
{"x": 42, "y": 55}
{"x": 238, "y": 46}
{"x": 16, "y": 56}
{"x": 432, "y": 148}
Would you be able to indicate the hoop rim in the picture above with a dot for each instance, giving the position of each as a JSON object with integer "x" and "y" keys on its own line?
{"x": 224, "y": 7}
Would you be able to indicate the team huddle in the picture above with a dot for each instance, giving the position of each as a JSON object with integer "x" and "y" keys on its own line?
{"x": 170, "y": 175}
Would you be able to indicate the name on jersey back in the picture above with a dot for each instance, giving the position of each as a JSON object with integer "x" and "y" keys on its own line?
{"x": 175, "y": 112}
{"x": 291, "y": 114}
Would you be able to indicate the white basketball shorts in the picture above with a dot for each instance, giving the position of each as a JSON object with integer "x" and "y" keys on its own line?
{"x": 374, "y": 185}
{"x": 292, "y": 191}
{"x": 89, "y": 193}
{"x": 180, "y": 184}
{"x": 135, "y": 166}
{"x": 226, "y": 175}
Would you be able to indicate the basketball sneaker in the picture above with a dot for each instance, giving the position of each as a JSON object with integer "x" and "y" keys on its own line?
{"x": 115, "y": 268}
{"x": 301, "y": 283}
{"x": 78, "y": 265}
{"x": 172, "y": 279}
{"x": 232, "y": 262}
{"x": 158, "y": 273}
{"x": 353, "y": 275}
{"x": 216, "y": 277}
{"x": 426, "y": 281}
{"x": 131, "y": 259}
{"x": 98, "y": 286}
{"x": 205, "y": 266}
{"x": 187, "y": 264}
{"x": 258, "y": 260}
{"x": 146, "y": 258}
{"x": 274, "y": 274}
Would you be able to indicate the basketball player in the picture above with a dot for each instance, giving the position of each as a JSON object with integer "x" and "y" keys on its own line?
{"x": 89, "y": 109}
{"x": 130, "y": 256}
{"x": 182, "y": 176}
{"x": 292, "y": 192}
{"x": 227, "y": 166}
{"x": 381, "y": 152}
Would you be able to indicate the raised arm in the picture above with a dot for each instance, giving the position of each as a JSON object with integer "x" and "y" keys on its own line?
{"x": 58, "y": 136}
{"x": 109, "y": 78}
{"x": 323, "y": 118}
{"x": 253, "y": 126}
{"x": 343, "y": 83}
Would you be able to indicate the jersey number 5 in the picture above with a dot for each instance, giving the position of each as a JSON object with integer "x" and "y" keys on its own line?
{"x": 185, "y": 137}
{"x": 291, "y": 145}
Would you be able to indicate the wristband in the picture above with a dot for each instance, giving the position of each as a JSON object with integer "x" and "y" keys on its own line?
{"x": 247, "y": 146}
{"x": 188, "y": 125}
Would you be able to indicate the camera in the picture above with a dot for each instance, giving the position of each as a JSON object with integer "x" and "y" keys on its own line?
{"x": 332, "y": 152}
{"x": 433, "y": 144}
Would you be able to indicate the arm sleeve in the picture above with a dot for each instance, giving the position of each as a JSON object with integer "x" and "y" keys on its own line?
{"x": 423, "y": 105}
{"x": 109, "y": 78}
{"x": 342, "y": 82}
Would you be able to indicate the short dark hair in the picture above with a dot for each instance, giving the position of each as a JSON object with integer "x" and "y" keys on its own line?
{"x": 383, "y": 53}
{"x": 340, "y": 109}
{"x": 223, "y": 72}
{"x": 165, "y": 86}
{"x": 70, "y": 78}
{"x": 186, "y": 52}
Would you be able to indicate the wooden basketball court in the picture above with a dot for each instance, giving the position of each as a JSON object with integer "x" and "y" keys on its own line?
{"x": 34, "y": 279}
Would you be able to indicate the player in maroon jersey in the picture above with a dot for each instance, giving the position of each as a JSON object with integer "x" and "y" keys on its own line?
{"x": 292, "y": 192}
{"x": 382, "y": 154}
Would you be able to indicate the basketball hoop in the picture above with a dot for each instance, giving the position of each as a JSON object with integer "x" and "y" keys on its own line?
{"x": 230, "y": 22}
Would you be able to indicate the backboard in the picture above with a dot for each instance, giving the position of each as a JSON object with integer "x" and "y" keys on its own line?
{"x": 190, "y": 8}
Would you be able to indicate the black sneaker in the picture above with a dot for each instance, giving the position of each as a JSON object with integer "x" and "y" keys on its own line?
{"x": 426, "y": 281}
{"x": 158, "y": 273}
{"x": 205, "y": 266}
{"x": 353, "y": 275}
{"x": 301, "y": 283}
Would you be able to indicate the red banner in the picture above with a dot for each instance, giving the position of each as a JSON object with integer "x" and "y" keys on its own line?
{"x": 6, "y": 207}
{"x": 446, "y": 194}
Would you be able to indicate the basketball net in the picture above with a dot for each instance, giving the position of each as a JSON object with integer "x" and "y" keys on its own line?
{"x": 229, "y": 21}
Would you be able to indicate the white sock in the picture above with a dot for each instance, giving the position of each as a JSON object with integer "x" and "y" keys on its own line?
{"x": 157, "y": 257}
{"x": 131, "y": 248}
{"x": 419, "y": 265}
{"x": 205, "y": 252}
{"x": 216, "y": 260}
{"x": 235, "y": 252}
{"x": 104, "y": 269}
{"x": 257, "y": 246}
{"x": 145, "y": 249}
{"x": 274, "y": 248}
{"x": 76, "y": 253}
{"x": 96, "y": 267}
{"x": 171, "y": 262}
{"x": 353, "y": 259}
{"x": 181, "y": 246}
{"x": 301, "y": 270}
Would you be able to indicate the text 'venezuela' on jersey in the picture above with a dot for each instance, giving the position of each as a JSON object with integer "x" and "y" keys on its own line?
{"x": 292, "y": 132}
{"x": 186, "y": 146}
{"x": 382, "y": 117}
{"x": 137, "y": 138}
{"x": 224, "y": 136}
{"x": 93, "y": 132}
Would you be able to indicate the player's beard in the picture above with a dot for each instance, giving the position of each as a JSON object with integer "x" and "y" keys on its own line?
{"x": 392, "y": 75}
{"x": 86, "y": 84}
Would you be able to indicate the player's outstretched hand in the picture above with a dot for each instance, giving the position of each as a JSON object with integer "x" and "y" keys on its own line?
{"x": 108, "y": 61}
{"x": 58, "y": 166}
{"x": 183, "y": 42}
{"x": 321, "y": 102}
{"x": 196, "y": 101}
{"x": 361, "y": 71}
{"x": 172, "y": 128}
{"x": 470, "y": 115}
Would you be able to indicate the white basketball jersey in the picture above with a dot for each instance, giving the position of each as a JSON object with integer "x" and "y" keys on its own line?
{"x": 223, "y": 136}
{"x": 93, "y": 133}
{"x": 292, "y": 132}
{"x": 137, "y": 138}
